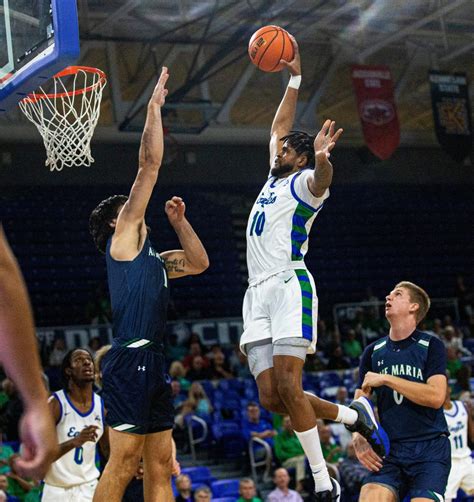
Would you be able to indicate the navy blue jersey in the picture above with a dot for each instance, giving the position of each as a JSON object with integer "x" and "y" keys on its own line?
{"x": 416, "y": 358}
{"x": 139, "y": 296}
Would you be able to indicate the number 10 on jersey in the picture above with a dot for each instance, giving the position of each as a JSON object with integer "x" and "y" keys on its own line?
{"x": 258, "y": 222}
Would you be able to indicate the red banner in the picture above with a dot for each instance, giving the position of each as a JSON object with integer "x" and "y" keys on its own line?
{"x": 377, "y": 111}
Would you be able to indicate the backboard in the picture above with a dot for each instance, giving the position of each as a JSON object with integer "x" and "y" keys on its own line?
{"x": 38, "y": 38}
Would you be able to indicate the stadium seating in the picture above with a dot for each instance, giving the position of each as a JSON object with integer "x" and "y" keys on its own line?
{"x": 225, "y": 488}
{"x": 366, "y": 235}
{"x": 199, "y": 475}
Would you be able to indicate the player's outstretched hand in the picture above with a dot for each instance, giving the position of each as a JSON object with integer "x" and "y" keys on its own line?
{"x": 365, "y": 454}
{"x": 326, "y": 138}
{"x": 39, "y": 443}
{"x": 160, "y": 92}
{"x": 293, "y": 66}
{"x": 175, "y": 209}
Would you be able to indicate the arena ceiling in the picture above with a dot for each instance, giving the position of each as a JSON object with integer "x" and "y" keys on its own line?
{"x": 217, "y": 95}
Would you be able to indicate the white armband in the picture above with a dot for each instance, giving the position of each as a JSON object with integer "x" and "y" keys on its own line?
{"x": 295, "y": 81}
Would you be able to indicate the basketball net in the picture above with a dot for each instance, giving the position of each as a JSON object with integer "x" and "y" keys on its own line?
{"x": 66, "y": 119}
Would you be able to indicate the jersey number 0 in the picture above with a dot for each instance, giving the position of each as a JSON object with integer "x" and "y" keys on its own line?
{"x": 79, "y": 455}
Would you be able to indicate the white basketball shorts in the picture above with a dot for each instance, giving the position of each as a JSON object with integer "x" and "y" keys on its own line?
{"x": 460, "y": 476}
{"x": 284, "y": 305}
{"x": 83, "y": 493}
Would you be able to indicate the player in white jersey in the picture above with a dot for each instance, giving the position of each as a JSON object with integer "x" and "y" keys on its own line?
{"x": 79, "y": 416}
{"x": 280, "y": 306}
{"x": 461, "y": 430}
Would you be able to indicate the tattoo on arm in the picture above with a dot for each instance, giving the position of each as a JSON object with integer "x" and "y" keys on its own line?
{"x": 176, "y": 265}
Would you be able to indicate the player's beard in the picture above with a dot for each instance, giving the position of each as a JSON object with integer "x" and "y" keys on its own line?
{"x": 279, "y": 170}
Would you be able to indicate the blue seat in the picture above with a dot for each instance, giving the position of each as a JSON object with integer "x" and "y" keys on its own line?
{"x": 225, "y": 488}
{"x": 469, "y": 344}
{"x": 330, "y": 379}
{"x": 226, "y": 428}
{"x": 208, "y": 389}
{"x": 224, "y": 499}
{"x": 231, "y": 384}
{"x": 230, "y": 442}
{"x": 221, "y": 395}
{"x": 200, "y": 474}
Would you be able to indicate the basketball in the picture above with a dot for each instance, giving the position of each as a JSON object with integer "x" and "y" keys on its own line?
{"x": 269, "y": 45}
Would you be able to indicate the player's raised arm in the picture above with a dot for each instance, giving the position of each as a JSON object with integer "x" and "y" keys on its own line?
{"x": 150, "y": 157}
{"x": 324, "y": 142}
{"x": 285, "y": 115}
{"x": 192, "y": 259}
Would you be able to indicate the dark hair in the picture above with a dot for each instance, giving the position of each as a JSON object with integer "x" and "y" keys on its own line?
{"x": 302, "y": 143}
{"x": 67, "y": 364}
{"x": 100, "y": 218}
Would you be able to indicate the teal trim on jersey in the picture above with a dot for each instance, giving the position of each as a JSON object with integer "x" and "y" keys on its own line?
{"x": 130, "y": 427}
{"x": 435, "y": 496}
{"x": 135, "y": 340}
{"x": 424, "y": 343}
{"x": 299, "y": 234}
{"x": 307, "y": 303}
{"x": 128, "y": 342}
{"x": 380, "y": 345}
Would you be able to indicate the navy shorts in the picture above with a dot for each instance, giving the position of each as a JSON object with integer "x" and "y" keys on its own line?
{"x": 416, "y": 468}
{"x": 136, "y": 391}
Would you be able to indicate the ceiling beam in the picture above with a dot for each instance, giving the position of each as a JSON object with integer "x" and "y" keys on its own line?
{"x": 407, "y": 72}
{"x": 84, "y": 16}
{"x": 118, "y": 105}
{"x": 457, "y": 52}
{"x": 240, "y": 33}
{"x": 146, "y": 92}
{"x": 400, "y": 34}
{"x": 20, "y": 16}
{"x": 224, "y": 113}
{"x": 115, "y": 16}
{"x": 308, "y": 114}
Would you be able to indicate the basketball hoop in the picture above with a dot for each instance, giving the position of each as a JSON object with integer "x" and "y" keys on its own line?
{"x": 66, "y": 119}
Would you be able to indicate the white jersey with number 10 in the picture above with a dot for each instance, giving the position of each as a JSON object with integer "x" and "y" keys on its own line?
{"x": 279, "y": 225}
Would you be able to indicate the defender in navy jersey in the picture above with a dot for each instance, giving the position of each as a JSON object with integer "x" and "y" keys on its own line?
{"x": 136, "y": 391}
{"x": 407, "y": 372}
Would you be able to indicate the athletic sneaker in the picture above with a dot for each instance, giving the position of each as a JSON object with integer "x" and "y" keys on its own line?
{"x": 367, "y": 426}
{"x": 333, "y": 495}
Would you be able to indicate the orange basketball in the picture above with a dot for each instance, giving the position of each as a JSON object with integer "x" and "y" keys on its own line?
{"x": 268, "y": 46}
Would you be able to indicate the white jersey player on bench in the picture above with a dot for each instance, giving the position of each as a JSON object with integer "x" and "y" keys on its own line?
{"x": 79, "y": 415}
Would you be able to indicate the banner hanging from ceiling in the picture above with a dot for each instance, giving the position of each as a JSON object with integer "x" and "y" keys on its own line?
{"x": 452, "y": 113}
{"x": 373, "y": 87}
